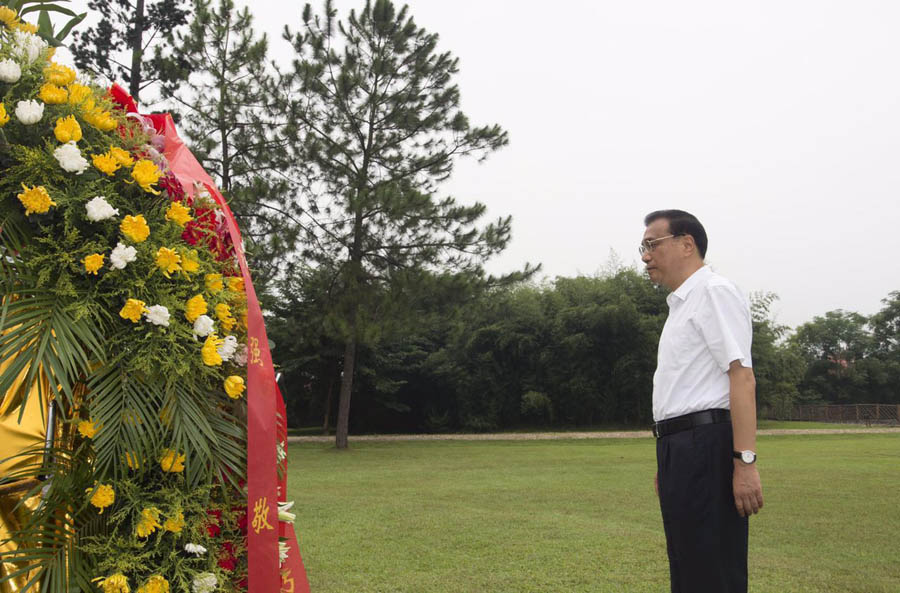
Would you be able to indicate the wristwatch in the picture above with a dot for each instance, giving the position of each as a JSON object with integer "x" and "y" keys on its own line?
{"x": 747, "y": 456}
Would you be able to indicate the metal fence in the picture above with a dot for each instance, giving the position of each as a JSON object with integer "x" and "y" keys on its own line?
{"x": 867, "y": 414}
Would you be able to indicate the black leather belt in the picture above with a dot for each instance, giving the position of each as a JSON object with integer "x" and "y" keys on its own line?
{"x": 688, "y": 421}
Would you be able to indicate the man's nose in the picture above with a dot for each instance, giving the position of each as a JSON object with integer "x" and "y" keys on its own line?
{"x": 645, "y": 257}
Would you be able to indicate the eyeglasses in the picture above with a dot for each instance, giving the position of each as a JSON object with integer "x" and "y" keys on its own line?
{"x": 650, "y": 244}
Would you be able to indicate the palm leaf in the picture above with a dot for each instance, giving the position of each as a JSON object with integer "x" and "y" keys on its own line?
{"x": 126, "y": 408}
{"x": 48, "y": 542}
{"x": 42, "y": 335}
{"x": 208, "y": 432}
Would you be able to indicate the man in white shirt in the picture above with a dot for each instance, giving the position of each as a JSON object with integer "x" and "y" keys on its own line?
{"x": 704, "y": 411}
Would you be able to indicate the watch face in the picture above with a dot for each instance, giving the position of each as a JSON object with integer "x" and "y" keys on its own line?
{"x": 748, "y": 456}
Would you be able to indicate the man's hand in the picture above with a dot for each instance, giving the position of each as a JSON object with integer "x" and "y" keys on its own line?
{"x": 656, "y": 484}
{"x": 748, "y": 498}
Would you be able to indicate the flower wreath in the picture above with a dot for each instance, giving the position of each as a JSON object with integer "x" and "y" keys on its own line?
{"x": 124, "y": 310}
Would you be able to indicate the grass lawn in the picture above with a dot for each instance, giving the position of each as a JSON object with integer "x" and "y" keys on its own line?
{"x": 762, "y": 424}
{"x": 581, "y": 516}
{"x": 802, "y": 424}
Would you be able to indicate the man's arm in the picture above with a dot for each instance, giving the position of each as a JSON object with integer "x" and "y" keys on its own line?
{"x": 748, "y": 496}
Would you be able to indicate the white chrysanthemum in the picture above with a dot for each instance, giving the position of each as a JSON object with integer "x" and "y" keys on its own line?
{"x": 122, "y": 255}
{"x": 283, "y": 512}
{"x": 205, "y": 582}
{"x": 10, "y": 71}
{"x": 70, "y": 158}
{"x": 29, "y": 112}
{"x": 157, "y": 315}
{"x": 240, "y": 357}
{"x": 283, "y": 549}
{"x": 203, "y": 326}
{"x": 228, "y": 347}
{"x": 195, "y": 549}
{"x": 28, "y": 46}
{"x": 99, "y": 209}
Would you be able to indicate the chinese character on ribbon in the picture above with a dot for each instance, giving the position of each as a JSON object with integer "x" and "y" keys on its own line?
{"x": 261, "y": 515}
{"x": 287, "y": 582}
{"x": 253, "y": 350}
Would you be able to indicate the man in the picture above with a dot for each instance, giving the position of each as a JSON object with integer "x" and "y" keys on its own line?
{"x": 704, "y": 411}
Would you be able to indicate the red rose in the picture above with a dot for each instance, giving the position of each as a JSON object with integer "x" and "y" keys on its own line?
{"x": 212, "y": 528}
{"x": 172, "y": 186}
{"x": 227, "y": 561}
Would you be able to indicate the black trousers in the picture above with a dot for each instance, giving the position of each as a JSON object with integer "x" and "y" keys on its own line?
{"x": 706, "y": 538}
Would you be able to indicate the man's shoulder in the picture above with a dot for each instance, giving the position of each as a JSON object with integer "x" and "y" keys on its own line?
{"x": 716, "y": 280}
{"x": 718, "y": 287}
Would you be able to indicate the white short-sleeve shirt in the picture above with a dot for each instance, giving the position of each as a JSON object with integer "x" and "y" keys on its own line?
{"x": 708, "y": 328}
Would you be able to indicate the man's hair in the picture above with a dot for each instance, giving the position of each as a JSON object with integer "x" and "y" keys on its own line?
{"x": 682, "y": 223}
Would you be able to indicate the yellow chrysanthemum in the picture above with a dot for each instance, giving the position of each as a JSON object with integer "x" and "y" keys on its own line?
{"x": 214, "y": 283}
{"x": 87, "y": 429}
{"x": 93, "y": 262}
{"x": 168, "y": 261}
{"x": 223, "y": 313}
{"x": 149, "y": 522}
{"x": 234, "y": 386}
{"x": 133, "y": 310}
{"x": 103, "y": 496}
{"x": 59, "y": 75}
{"x": 116, "y": 583}
{"x": 155, "y": 584}
{"x": 78, "y": 93}
{"x": 209, "y": 352}
{"x": 27, "y": 27}
{"x": 106, "y": 163}
{"x": 236, "y": 284}
{"x": 132, "y": 460}
{"x": 172, "y": 461}
{"x": 189, "y": 261}
{"x": 195, "y": 307}
{"x": 67, "y": 129}
{"x": 100, "y": 119}
{"x": 8, "y": 16}
{"x": 35, "y": 199}
{"x": 52, "y": 94}
{"x": 146, "y": 173}
{"x": 179, "y": 214}
{"x": 135, "y": 228}
{"x": 174, "y": 524}
{"x": 4, "y": 117}
{"x": 121, "y": 156}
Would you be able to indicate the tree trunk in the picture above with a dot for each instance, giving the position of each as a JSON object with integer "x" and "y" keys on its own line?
{"x": 137, "y": 51}
{"x": 343, "y": 419}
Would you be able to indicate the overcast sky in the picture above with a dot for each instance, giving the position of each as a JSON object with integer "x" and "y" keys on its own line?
{"x": 777, "y": 123}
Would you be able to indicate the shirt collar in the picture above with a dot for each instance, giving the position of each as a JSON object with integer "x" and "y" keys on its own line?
{"x": 682, "y": 292}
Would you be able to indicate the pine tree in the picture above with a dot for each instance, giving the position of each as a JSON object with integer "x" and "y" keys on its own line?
{"x": 215, "y": 76}
{"x": 375, "y": 127}
{"x": 119, "y": 45}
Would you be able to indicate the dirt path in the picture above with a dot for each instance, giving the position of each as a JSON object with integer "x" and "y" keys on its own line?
{"x": 546, "y": 436}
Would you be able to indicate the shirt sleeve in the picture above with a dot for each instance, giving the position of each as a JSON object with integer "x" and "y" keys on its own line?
{"x": 726, "y": 327}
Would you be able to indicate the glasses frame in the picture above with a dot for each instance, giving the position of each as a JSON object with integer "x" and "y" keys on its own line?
{"x": 651, "y": 244}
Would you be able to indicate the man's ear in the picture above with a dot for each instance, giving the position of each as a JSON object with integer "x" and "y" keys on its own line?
{"x": 688, "y": 245}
